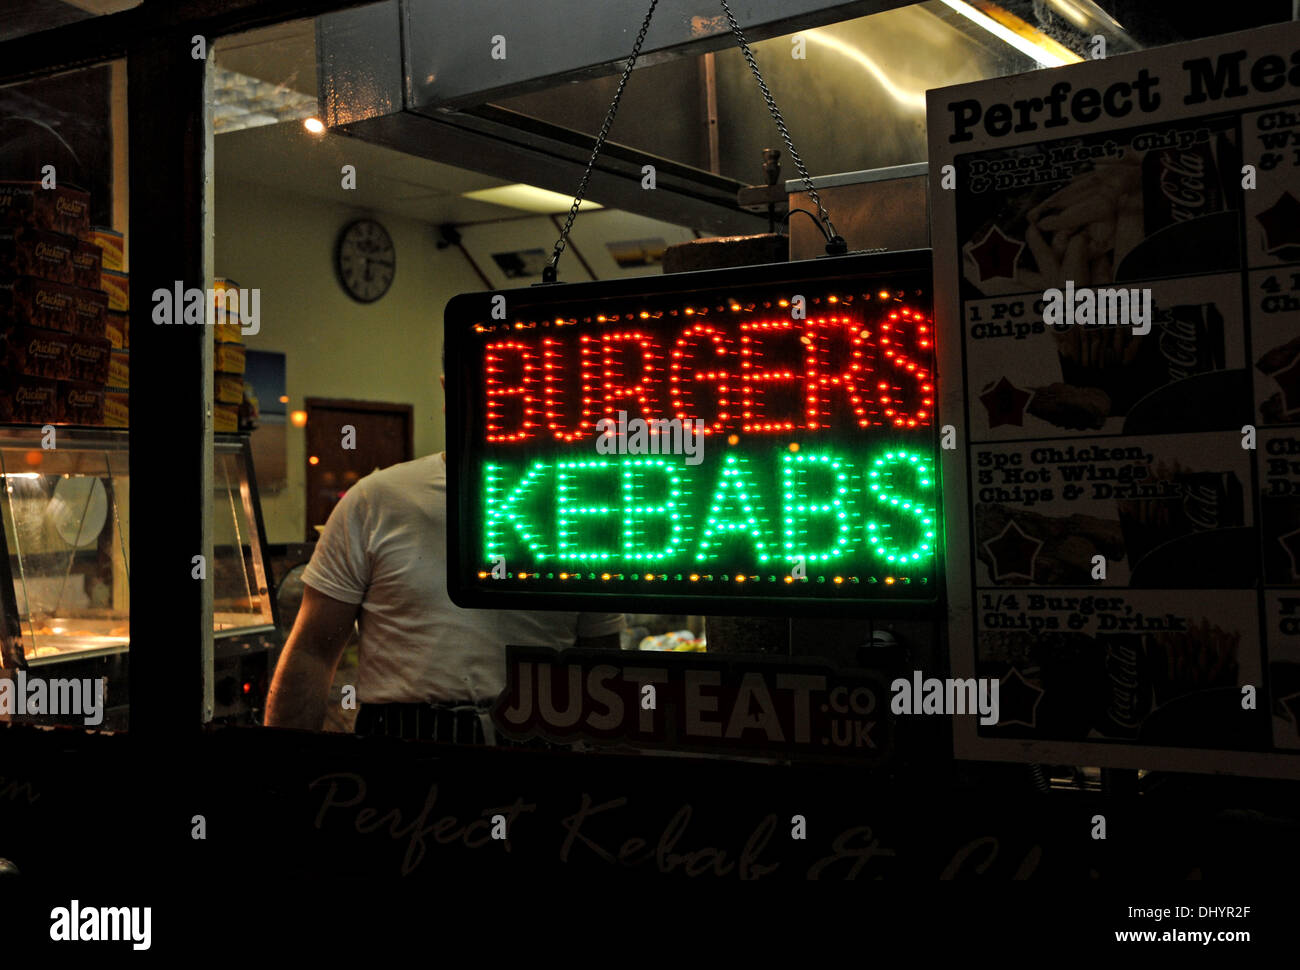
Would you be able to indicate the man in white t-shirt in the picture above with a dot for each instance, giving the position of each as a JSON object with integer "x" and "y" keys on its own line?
{"x": 428, "y": 668}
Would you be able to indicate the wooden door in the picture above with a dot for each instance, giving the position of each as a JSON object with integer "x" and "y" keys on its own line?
{"x": 346, "y": 441}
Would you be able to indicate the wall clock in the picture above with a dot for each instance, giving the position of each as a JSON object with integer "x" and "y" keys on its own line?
{"x": 365, "y": 260}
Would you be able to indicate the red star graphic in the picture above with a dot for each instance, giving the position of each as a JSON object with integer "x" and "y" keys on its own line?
{"x": 1289, "y": 381}
{"x": 1013, "y": 553}
{"x": 1281, "y": 225}
{"x": 996, "y": 255}
{"x": 1291, "y": 704}
{"x": 1005, "y": 404}
{"x": 1291, "y": 543}
{"x": 1018, "y": 700}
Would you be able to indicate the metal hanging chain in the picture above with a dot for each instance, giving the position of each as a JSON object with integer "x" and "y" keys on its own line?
{"x": 834, "y": 241}
{"x": 780, "y": 122}
{"x": 829, "y": 231}
{"x": 548, "y": 274}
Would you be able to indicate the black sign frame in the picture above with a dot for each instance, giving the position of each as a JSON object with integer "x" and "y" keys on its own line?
{"x": 469, "y": 586}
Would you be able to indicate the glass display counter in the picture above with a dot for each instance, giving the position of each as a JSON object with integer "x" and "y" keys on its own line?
{"x": 244, "y": 610}
{"x": 67, "y": 545}
{"x": 65, "y": 568}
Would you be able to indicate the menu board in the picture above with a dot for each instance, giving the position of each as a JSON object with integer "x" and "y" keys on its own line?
{"x": 1117, "y": 287}
{"x": 755, "y": 440}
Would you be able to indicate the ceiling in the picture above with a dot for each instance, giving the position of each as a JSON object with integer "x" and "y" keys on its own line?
{"x": 289, "y": 159}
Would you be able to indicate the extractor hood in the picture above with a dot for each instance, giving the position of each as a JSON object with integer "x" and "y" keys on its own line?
{"x": 420, "y": 77}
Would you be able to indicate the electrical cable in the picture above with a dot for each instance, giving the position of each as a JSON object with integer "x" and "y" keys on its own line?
{"x": 786, "y": 222}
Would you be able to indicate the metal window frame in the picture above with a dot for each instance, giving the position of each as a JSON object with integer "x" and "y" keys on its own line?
{"x": 171, "y": 431}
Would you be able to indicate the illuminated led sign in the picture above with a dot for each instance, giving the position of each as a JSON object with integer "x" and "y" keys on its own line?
{"x": 757, "y": 440}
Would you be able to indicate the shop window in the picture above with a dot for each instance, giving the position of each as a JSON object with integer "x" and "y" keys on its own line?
{"x": 64, "y": 481}
{"x": 355, "y": 205}
{"x": 310, "y": 220}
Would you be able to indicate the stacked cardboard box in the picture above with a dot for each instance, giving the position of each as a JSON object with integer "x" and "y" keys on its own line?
{"x": 228, "y": 364}
{"x": 113, "y": 281}
{"x": 55, "y": 349}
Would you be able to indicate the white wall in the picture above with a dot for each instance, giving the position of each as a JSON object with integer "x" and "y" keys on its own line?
{"x": 335, "y": 347}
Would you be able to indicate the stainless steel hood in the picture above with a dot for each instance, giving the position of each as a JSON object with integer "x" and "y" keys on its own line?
{"x": 517, "y": 90}
{"x": 419, "y": 77}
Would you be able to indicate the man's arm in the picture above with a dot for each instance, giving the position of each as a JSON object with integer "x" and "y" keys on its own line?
{"x": 610, "y": 641}
{"x": 301, "y": 687}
